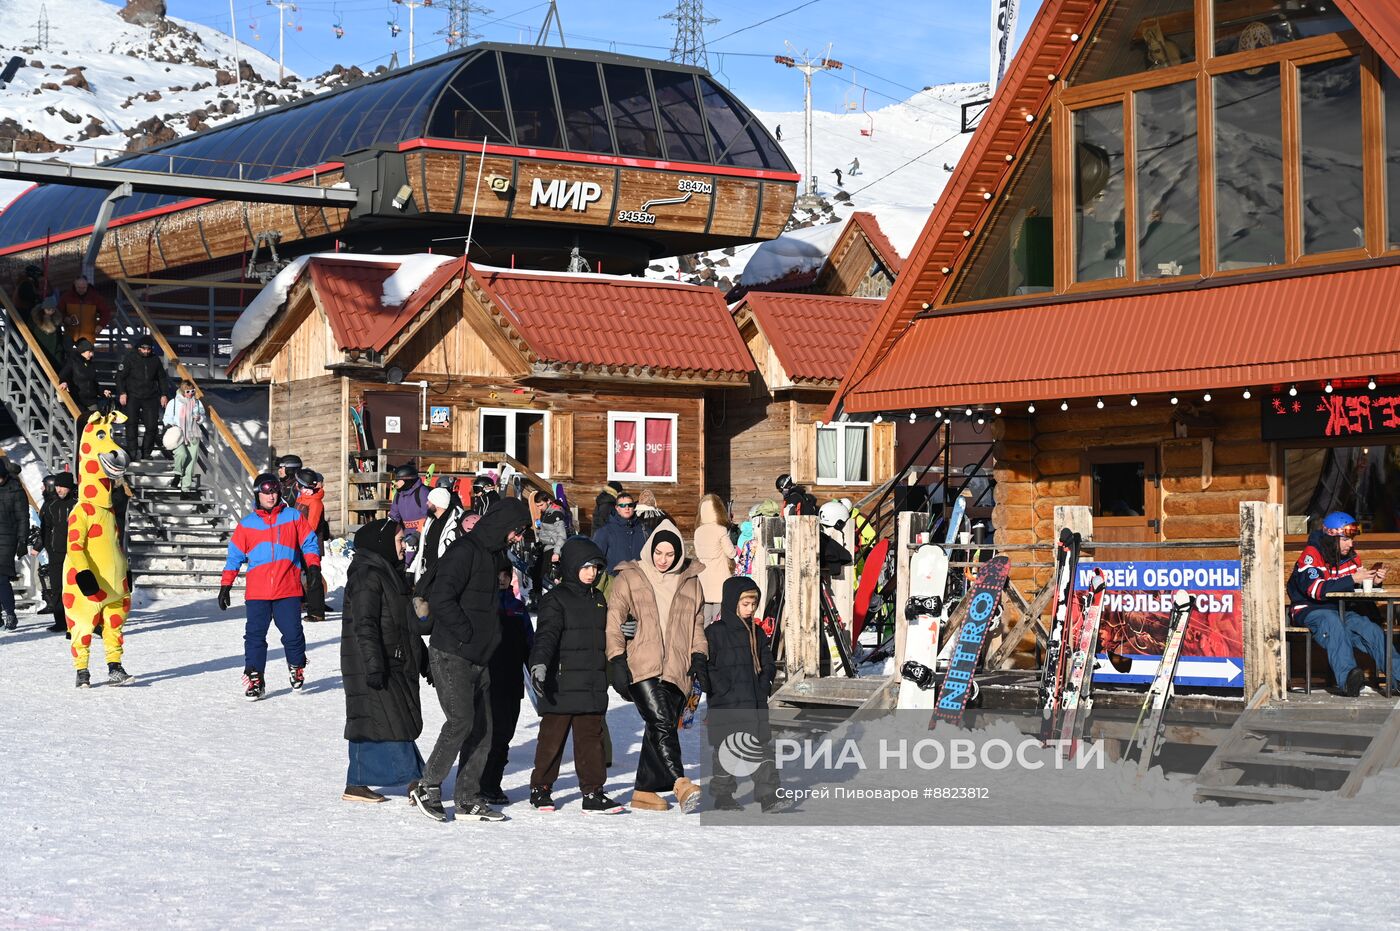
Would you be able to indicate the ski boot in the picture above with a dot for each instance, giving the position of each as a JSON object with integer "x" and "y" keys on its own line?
{"x": 476, "y": 811}
{"x": 253, "y": 686}
{"x": 429, "y": 801}
{"x": 116, "y": 675}
{"x": 84, "y": 679}
{"x": 540, "y": 799}
{"x": 596, "y": 803}
{"x": 297, "y": 675}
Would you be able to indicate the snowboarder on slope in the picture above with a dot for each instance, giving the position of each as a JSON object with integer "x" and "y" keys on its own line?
{"x": 779, "y": 132}
{"x": 855, "y": 167}
{"x": 837, "y": 173}
{"x": 275, "y": 543}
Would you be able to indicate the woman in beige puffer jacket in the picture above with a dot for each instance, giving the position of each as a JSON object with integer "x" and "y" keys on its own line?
{"x": 715, "y": 550}
{"x": 655, "y": 642}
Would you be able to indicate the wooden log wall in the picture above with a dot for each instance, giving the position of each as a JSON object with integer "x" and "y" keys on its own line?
{"x": 309, "y": 418}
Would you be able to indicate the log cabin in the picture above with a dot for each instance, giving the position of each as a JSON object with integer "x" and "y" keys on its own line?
{"x": 1164, "y": 271}
{"x": 862, "y": 262}
{"x": 582, "y": 378}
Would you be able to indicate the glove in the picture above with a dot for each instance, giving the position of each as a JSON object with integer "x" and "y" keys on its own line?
{"x": 313, "y": 576}
{"x": 537, "y": 674}
{"x": 620, "y": 677}
{"x": 697, "y": 665}
{"x": 87, "y": 583}
{"x": 376, "y": 680}
{"x": 225, "y": 597}
{"x": 629, "y": 627}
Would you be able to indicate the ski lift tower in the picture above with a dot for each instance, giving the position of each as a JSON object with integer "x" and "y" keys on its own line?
{"x": 412, "y": 6}
{"x": 458, "y": 31}
{"x": 808, "y": 66}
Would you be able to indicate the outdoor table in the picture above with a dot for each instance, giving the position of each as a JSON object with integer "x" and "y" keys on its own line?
{"x": 1389, "y": 596}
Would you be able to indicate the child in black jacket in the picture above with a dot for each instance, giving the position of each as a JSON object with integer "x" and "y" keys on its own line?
{"x": 738, "y": 678}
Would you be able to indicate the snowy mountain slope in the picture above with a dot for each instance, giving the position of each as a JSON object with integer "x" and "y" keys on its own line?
{"x": 900, "y": 175}
{"x": 103, "y": 85}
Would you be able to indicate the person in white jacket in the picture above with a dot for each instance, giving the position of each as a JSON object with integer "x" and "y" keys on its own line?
{"x": 443, "y": 526}
{"x": 185, "y": 412}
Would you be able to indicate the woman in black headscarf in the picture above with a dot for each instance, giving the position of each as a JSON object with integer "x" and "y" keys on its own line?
{"x": 381, "y": 658}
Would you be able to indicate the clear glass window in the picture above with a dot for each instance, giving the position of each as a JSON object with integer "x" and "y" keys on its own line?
{"x": 1168, "y": 181}
{"x": 1100, "y": 237}
{"x": 1248, "y": 169}
{"x": 1245, "y": 26}
{"x": 1329, "y": 114}
{"x": 682, "y": 123}
{"x": 1390, "y": 86}
{"x": 474, "y": 106}
{"x": 1363, "y": 481}
{"x": 1133, "y": 37}
{"x": 843, "y": 454}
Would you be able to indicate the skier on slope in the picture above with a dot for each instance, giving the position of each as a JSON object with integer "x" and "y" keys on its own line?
{"x": 1330, "y": 563}
{"x": 275, "y": 543}
{"x": 855, "y": 167}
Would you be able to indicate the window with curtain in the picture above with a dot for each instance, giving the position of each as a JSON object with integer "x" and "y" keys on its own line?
{"x": 642, "y": 447}
{"x": 843, "y": 454}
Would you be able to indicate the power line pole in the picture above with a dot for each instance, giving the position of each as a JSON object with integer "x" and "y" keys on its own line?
{"x": 459, "y": 16}
{"x": 551, "y": 17}
{"x": 808, "y": 66}
{"x": 41, "y": 38}
{"x": 688, "y": 47}
{"x": 282, "y": 7}
{"x": 412, "y": 5}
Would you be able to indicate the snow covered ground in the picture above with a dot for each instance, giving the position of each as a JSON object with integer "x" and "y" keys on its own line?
{"x": 176, "y": 803}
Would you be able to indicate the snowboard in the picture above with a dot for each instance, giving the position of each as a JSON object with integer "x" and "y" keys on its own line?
{"x": 1066, "y": 564}
{"x": 928, "y": 575}
{"x": 692, "y": 702}
{"x": 950, "y": 532}
{"x": 1154, "y": 705}
{"x": 1078, "y": 677}
{"x": 869, "y": 581}
{"x": 975, "y": 615}
{"x": 530, "y": 690}
{"x": 563, "y": 498}
{"x": 840, "y": 655}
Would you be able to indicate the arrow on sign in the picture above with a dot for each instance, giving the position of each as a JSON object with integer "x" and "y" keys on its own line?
{"x": 1203, "y": 670}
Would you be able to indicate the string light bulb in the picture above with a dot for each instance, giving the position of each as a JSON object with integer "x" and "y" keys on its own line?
{"x": 1099, "y": 403}
{"x": 1206, "y": 397}
{"x": 1132, "y": 402}
{"x": 1030, "y": 408}
{"x": 968, "y": 412}
{"x": 997, "y": 410}
{"x": 1064, "y": 405}
{"x": 1292, "y": 391}
{"x": 912, "y": 417}
{"x": 1174, "y": 399}
{"x": 938, "y": 413}
{"x": 1328, "y": 387}
{"x": 1371, "y": 383}
{"x": 1246, "y": 394}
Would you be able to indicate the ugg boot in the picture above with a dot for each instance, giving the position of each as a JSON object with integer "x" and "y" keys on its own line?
{"x": 649, "y": 801}
{"x": 687, "y": 795}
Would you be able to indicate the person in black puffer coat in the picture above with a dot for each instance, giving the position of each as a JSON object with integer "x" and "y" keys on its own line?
{"x": 568, "y": 669}
{"x": 737, "y": 680}
{"x": 143, "y": 388}
{"x": 381, "y": 658}
{"x": 14, "y": 531}
{"x": 53, "y": 537}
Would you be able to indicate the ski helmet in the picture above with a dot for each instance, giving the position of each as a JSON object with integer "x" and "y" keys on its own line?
{"x": 1340, "y": 524}
{"x": 408, "y": 471}
{"x": 309, "y": 478}
{"x": 289, "y": 462}
{"x": 783, "y": 483}
{"x": 266, "y": 484}
{"x": 481, "y": 483}
{"x": 834, "y": 515}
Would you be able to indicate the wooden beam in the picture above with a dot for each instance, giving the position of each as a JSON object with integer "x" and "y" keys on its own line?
{"x": 801, "y": 620}
{"x": 907, "y": 524}
{"x": 1261, "y": 595}
{"x": 843, "y": 585}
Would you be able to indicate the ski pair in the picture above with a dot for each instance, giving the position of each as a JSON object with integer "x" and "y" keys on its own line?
{"x": 1075, "y": 700}
{"x": 1147, "y": 740}
{"x": 1052, "y": 677}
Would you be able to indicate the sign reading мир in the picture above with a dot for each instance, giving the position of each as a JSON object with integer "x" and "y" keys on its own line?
{"x": 1136, "y": 609}
{"x": 1350, "y": 412}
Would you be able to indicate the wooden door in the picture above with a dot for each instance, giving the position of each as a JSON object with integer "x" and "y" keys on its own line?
{"x": 1122, "y": 488}
{"x": 391, "y": 419}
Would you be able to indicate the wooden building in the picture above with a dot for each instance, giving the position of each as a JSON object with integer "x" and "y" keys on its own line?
{"x": 800, "y": 344}
{"x": 582, "y": 378}
{"x": 862, "y": 262}
{"x": 1165, "y": 271}
{"x": 624, "y": 159}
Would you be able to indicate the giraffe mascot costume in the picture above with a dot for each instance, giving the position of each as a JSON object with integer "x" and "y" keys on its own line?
{"x": 96, "y": 587}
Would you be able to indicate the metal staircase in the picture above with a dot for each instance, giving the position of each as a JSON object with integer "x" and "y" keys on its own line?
{"x": 173, "y": 542}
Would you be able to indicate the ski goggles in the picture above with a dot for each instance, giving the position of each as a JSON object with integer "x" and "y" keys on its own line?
{"x": 1349, "y": 530}
{"x": 268, "y": 486}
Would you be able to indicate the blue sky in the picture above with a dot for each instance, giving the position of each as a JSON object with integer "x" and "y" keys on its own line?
{"x": 890, "y": 48}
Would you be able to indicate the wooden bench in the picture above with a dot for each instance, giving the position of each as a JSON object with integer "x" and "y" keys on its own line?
{"x": 1290, "y": 630}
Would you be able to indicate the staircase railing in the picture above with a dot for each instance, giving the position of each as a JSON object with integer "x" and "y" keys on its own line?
{"x": 224, "y": 464}
{"x": 45, "y": 413}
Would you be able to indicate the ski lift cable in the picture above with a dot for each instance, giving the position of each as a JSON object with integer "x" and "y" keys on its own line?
{"x": 762, "y": 21}
{"x": 911, "y": 161}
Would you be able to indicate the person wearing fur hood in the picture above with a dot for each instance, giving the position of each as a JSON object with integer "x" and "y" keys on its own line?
{"x": 655, "y": 647}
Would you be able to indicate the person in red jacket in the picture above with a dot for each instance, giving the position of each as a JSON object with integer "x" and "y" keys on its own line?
{"x": 276, "y": 544}
{"x": 311, "y": 503}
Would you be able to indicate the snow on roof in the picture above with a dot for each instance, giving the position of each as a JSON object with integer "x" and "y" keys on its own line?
{"x": 803, "y": 250}
{"x": 412, "y": 271}
{"x": 901, "y": 225}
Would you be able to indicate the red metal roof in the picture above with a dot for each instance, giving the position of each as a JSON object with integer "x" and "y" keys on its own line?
{"x": 1379, "y": 24}
{"x": 618, "y": 322}
{"x": 814, "y": 335}
{"x": 870, "y": 225}
{"x": 351, "y": 293}
{"x": 1339, "y": 324}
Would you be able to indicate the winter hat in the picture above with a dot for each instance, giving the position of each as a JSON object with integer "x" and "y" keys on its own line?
{"x": 378, "y": 537}
{"x": 613, "y": 488}
{"x": 146, "y": 342}
{"x": 64, "y": 480}
{"x": 84, "y": 345}
{"x": 440, "y": 498}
